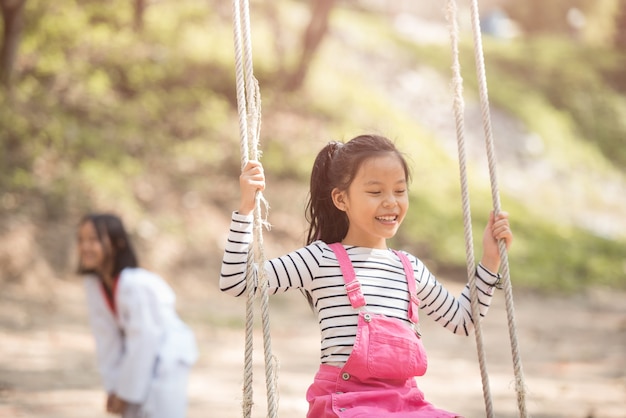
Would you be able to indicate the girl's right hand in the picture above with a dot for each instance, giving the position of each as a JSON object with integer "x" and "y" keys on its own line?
{"x": 251, "y": 181}
{"x": 115, "y": 405}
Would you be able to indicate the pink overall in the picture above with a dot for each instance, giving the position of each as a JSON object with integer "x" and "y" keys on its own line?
{"x": 377, "y": 380}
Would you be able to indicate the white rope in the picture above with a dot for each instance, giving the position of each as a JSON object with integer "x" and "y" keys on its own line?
{"x": 249, "y": 108}
{"x": 520, "y": 386}
{"x": 459, "y": 106}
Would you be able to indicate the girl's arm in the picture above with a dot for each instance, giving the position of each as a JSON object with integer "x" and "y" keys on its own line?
{"x": 239, "y": 242}
{"x": 453, "y": 313}
{"x": 293, "y": 270}
{"x": 235, "y": 259}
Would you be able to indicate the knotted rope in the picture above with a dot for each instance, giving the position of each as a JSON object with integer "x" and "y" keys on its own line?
{"x": 459, "y": 107}
{"x": 520, "y": 386}
{"x": 457, "y": 82}
{"x": 249, "y": 109}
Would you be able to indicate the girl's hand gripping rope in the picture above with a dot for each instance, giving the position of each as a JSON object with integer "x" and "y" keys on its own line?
{"x": 251, "y": 181}
{"x": 497, "y": 229}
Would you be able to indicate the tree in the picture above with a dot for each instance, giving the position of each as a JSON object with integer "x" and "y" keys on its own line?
{"x": 138, "y": 13}
{"x": 620, "y": 26}
{"x": 12, "y": 16}
{"x": 313, "y": 36}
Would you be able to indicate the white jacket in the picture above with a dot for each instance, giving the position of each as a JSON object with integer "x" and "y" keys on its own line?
{"x": 144, "y": 339}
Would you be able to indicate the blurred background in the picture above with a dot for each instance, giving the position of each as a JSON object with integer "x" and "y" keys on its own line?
{"x": 129, "y": 106}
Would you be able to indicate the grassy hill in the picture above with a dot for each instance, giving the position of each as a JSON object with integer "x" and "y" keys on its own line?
{"x": 144, "y": 124}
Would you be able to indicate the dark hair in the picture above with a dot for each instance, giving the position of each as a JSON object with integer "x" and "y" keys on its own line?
{"x": 110, "y": 228}
{"x": 335, "y": 166}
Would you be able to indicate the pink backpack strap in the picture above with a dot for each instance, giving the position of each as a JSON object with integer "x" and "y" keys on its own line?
{"x": 414, "y": 302}
{"x": 353, "y": 287}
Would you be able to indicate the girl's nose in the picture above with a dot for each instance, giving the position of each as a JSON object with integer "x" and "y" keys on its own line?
{"x": 389, "y": 202}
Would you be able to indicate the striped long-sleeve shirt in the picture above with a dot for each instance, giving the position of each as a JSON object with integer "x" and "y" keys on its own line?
{"x": 314, "y": 269}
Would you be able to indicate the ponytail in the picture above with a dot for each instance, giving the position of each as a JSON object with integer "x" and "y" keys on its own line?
{"x": 326, "y": 222}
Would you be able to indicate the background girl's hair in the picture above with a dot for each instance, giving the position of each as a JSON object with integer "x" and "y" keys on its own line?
{"x": 111, "y": 227}
{"x": 336, "y": 166}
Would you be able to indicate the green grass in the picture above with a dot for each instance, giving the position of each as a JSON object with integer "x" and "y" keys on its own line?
{"x": 117, "y": 106}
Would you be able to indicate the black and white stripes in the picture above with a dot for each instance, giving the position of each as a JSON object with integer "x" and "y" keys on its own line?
{"x": 315, "y": 269}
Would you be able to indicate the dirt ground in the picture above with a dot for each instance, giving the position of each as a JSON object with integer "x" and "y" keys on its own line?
{"x": 572, "y": 348}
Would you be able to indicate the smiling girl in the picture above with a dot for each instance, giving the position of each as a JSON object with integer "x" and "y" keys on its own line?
{"x": 144, "y": 350}
{"x": 366, "y": 295}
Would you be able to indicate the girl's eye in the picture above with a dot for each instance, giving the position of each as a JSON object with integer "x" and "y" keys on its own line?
{"x": 373, "y": 193}
{"x": 401, "y": 191}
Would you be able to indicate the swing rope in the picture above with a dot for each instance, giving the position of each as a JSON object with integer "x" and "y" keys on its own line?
{"x": 249, "y": 109}
{"x": 457, "y": 83}
{"x": 459, "y": 106}
{"x": 520, "y": 386}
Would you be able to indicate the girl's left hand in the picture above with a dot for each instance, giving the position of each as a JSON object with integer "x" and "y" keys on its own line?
{"x": 497, "y": 229}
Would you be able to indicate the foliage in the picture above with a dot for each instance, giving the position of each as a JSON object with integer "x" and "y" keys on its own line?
{"x": 101, "y": 114}
{"x": 588, "y": 84}
{"x": 561, "y": 90}
{"x": 100, "y": 95}
{"x": 591, "y": 21}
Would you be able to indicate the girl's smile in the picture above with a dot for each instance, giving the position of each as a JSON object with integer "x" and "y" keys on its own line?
{"x": 387, "y": 219}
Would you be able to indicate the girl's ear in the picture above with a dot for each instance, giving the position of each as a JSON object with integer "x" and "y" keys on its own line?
{"x": 338, "y": 197}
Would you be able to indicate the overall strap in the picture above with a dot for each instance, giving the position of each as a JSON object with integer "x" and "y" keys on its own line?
{"x": 353, "y": 287}
{"x": 414, "y": 302}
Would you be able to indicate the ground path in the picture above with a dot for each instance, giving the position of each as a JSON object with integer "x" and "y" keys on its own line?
{"x": 572, "y": 350}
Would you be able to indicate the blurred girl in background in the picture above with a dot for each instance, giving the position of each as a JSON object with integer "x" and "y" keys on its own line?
{"x": 144, "y": 350}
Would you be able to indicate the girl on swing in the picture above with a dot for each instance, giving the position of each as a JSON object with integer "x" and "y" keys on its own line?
{"x": 366, "y": 296}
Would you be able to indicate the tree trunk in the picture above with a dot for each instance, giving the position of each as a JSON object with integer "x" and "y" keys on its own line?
{"x": 139, "y": 9}
{"x": 620, "y": 26}
{"x": 12, "y": 16}
{"x": 313, "y": 36}
{"x": 271, "y": 12}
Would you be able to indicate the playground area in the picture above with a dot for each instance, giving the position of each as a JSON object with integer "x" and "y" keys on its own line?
{"x": 572, "y": 350}
{"x": 572, "y": 345}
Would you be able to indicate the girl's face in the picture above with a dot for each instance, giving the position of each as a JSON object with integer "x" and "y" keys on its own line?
{"x": 91, "y": 252}
{"x": 376, "y": 201}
